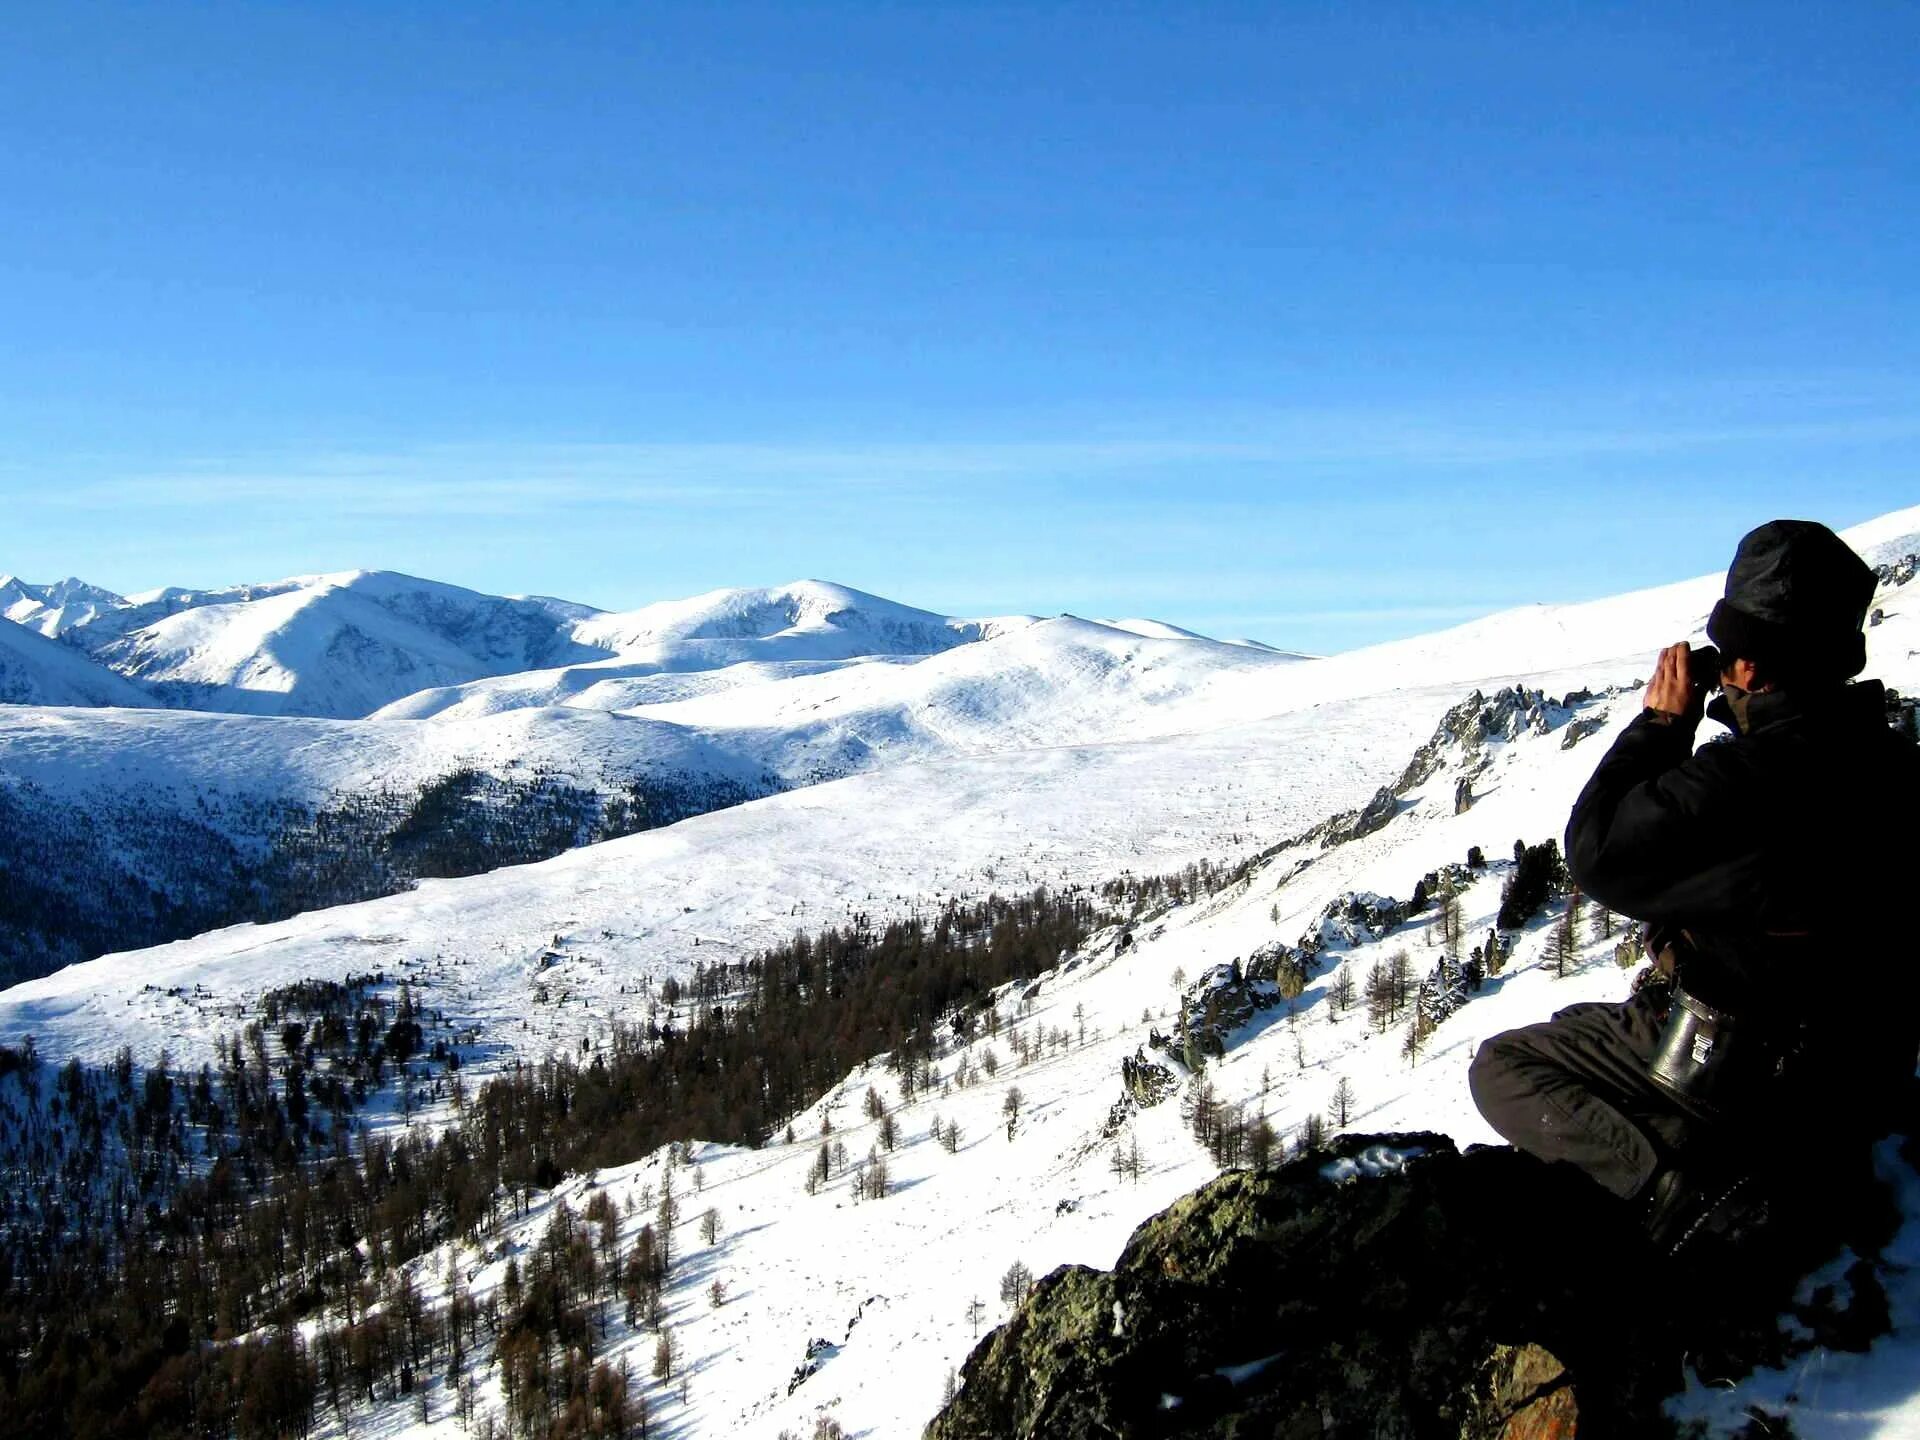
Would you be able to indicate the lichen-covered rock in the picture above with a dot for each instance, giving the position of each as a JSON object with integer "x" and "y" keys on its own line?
{"x": 1286, "y": 968}
{"x": 1523, "y": 1393}
{"x": 1344, "y": 1294}
{"x": 1389, "y": 1287}
{"x": 1147, "y": 1083}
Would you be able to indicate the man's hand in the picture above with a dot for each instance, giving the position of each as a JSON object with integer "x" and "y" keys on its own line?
{"x": 1670, "y": 692}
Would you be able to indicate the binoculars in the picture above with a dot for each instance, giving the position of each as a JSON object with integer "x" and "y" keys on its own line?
{"x": 1703, "y": 667}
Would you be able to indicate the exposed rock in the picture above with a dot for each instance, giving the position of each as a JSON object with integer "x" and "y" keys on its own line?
{"x": 1463, "y": 795}
{"x": 1282, "y": 966}
{"x": 1352, "y": 824}
{"x": 1388, "y": 1287}
{"x": 818, "y": 1353}
{"x": 1352, "y": 919}
{"x": 1223, "y": 998}
{"x": 1899, "y": 572}
{"x": 861, "y": 1313}
{"x": 1147, "y": 1083}
{"x": 1580, "y": 727}
{"x": 1903, "y": 714}
{"x": 1523, "y": 1393}
{"x": 1218, "y": 1002}
{"x": 1462, "y": 733}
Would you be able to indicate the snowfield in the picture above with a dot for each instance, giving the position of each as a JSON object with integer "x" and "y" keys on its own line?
{"x": 1122, "y": 750}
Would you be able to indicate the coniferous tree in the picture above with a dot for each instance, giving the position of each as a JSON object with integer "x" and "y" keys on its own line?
{"x": 1260, "y": 1143}
{"x": 1343, "y": 1102}
{"x": 1312, "y": 1136}
{"x": 1015, "y": 1284}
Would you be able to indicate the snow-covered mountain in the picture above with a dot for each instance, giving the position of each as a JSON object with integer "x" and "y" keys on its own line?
{"x": 715, "y": 641}
{"x": 1050, "y": 682}
{"x": 806, "y": 620}
{"x": 336, "y": 646}
{"x": 56, "y": 608}
{"x": 1161, "y": 753}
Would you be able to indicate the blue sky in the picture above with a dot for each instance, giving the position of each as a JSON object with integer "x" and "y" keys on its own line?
{"x": 1320, "y": 323}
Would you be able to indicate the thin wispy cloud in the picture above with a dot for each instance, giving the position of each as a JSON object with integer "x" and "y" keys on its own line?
{"x": 512, "y": 479}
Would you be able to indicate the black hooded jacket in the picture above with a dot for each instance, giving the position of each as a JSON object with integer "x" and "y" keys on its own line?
{"x": 1784, "y": 852}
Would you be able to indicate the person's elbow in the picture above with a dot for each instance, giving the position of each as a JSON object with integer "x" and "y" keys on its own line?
{"x": 1602, "y": 871}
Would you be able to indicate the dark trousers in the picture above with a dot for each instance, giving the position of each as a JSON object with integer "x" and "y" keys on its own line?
{"x": 1575, "y": 1088}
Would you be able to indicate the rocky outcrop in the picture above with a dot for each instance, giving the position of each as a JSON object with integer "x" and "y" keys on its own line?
{"x": 1147, "y": 1083}
{"x": 1224, "y": 998}
{"x": 1468, "y": 726}
{"x": 1523, "y": 1393}
{"x": 1389, "y": 1287}
{"x": 1897, "y": 573}
{"x": 1461, "y": 739}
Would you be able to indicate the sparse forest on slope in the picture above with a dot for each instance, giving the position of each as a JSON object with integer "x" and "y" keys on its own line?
{"x": 229, "y": 1198}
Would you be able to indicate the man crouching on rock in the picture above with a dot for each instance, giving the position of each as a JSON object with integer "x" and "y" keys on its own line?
{"x": 1772, "y": 871}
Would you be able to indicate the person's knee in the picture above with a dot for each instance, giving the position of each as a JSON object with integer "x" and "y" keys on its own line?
{"x": 1490, "y": 1076}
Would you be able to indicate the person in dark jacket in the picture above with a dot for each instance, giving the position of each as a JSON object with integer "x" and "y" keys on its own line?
{"x": 1766, "y": 867}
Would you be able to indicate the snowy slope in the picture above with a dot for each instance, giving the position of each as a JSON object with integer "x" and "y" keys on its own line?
{"x": 184, "y": 802}
{"x": 799, "y": 1266}
{"x": 35, "y": 670}
{"x": 725, "y": 884}
{"x": 72, "y": 753}
{"x": 888, "y": 1283}
{"x": 1053, "y": 682}
{"x": 1050, "y": 683}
